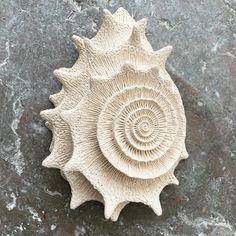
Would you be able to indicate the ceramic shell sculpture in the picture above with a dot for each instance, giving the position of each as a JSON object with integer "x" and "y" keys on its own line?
{"x": 118, "y": 124}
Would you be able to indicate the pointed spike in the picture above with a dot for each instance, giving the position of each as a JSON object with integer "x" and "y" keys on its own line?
{"x": 75, "y": 201}
{"x": 65, "y": 76}
{"x": 62, "y": 75}
{"x": 115, "y": 216}
{"x": 107, "y": 17}
{"x": 163, "y": 54}
{"x": 79, "y": 199}
{"x": 79, "y": 43}
{"x": 166, "y": 50}
{"x": 50, "y": 162}
{"x": 121, "y": 10}
{"x": 57, "y": 98}
{"x": 47, "y": 115}
{"x": 156, "y": 207}
{"x": 106, "y": 13}
{"x": 174, "y": 181}
{"x": 110, "y": 207}
{"x": 123, "y": 15}
{"x": 117, "y": 211}
{"x": 141, "y": 24}
{"x": 135, "y": 38}
{"x": 138, "y": 32}
{"x": 184, "y": 153}
{"x": 81, "y": 189}
{"x": 74, "y": 204}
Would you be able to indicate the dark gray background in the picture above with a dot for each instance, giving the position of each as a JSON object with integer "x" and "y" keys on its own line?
{"x": 35, "y": 39}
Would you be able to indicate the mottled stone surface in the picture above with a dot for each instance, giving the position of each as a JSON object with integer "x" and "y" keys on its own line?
{"x": 35, "y": 39}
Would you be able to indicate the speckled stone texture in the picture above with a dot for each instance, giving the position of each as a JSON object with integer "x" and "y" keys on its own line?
{"x": 35, "y": 39}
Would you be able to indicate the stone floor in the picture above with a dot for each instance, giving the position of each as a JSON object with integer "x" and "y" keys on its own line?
{"x": 35, "y": 39}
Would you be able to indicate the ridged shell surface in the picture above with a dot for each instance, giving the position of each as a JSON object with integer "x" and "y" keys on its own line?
{"x": 118, "y": 124}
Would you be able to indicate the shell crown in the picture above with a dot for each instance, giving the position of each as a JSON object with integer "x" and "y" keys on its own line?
{"x": 118, "y": 124}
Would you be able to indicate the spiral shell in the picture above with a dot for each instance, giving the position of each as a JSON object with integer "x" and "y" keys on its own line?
{"x": 118, "y": 124}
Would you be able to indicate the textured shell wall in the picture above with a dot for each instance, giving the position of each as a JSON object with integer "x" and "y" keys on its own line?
{"x": 118, "y": 124}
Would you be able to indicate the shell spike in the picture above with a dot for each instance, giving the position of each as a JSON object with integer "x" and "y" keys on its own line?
{"x": 62, "y": 75}
{"x": 117, "y": 211}
{"x": 122, "y": 15}
{"x": 50, "y": 162}
{"x": 110, "y": 206}
{"x": 141, "y": 24}
{"x": 184, "y": 153}
{"x": 135, "y": 37}
{"x": 48, "y": 115}
{"x": 57, "y": 97}
{"x": 79, "y": 43}
{"x": 156, "y": 207}
{"x": 174, "y": 181}
{"x": 107, "y": 17}
{"x": 163, "y": 54}
{"x": 121, "y": 10}
{"x": 76, "y": 201}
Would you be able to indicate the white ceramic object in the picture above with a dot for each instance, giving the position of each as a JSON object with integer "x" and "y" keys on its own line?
{"x": 118, "y": 124}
